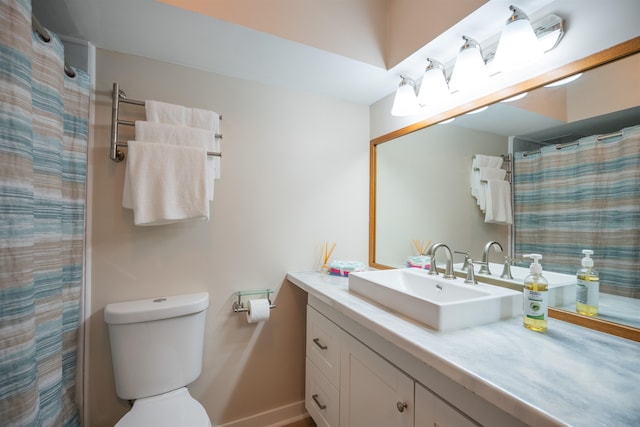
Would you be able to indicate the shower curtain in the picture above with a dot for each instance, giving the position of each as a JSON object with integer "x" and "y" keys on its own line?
{"x": 43, "y": 146}
{"x": 583, "y": 196}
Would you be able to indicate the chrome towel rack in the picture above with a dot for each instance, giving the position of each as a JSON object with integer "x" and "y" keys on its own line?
{"x": 118, "y": 96}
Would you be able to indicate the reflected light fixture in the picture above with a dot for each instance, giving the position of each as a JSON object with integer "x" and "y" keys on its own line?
{"x": 515, "y": 97}
{"x": 469, "y": 71}
{"x": 564, "y": 81}
{"x": 518, "y": 46}
{"x": 433, "y": 89}
{"x": 405, "y": 103}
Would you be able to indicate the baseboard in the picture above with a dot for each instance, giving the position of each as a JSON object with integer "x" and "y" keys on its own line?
{"x": 277, "y": 417}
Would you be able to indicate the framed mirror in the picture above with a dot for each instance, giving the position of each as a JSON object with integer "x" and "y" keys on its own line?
{"x": 420, "y": 175}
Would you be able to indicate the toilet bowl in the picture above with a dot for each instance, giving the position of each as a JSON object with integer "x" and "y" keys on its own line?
{"x": 156, "y": 350}
{"x": 173, "y": 409}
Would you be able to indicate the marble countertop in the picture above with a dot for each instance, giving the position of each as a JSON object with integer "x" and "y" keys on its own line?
{"x": 567, "y": 376}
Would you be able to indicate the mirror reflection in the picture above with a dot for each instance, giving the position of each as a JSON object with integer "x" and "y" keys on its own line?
{"x": 572, "y": 155}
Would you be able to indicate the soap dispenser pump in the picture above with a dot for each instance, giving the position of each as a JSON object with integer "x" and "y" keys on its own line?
{"x": 536, "y": 300}
{"x": 587, "y": 286}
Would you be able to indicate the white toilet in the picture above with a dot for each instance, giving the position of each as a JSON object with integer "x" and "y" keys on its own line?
{"x": 156, "y": 349}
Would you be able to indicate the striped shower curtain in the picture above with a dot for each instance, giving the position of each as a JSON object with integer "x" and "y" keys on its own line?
{"x": 43, "y": 146}
{"x": 583, "y": 196}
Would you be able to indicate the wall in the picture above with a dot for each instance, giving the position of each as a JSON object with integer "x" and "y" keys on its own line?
{"x": 294, "y": 174}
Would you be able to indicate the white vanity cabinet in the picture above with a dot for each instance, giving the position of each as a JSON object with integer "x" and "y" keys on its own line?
{"x": 353, "y": 379}
{"x": 373, "y": 392}
{"x": 430, "y": 411}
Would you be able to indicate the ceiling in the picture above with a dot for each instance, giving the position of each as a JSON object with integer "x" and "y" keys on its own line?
{"x": 173, "y": 34}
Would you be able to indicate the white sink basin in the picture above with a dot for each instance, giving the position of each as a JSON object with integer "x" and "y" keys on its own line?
{"x": 443, "y": 304}
{"x": 562, "y": 287}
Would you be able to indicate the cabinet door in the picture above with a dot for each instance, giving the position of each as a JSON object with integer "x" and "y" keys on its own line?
{"x": 431, "y": 411}
{"x": 372, "y": 391}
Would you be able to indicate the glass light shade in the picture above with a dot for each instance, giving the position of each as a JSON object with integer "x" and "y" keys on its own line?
{"x": 433, "y": 88}
{"x": 564, "y": 81}
{"x": 469, "y": 72}
{"x": 405, "y": 103}
{"x": 518, "y": 46}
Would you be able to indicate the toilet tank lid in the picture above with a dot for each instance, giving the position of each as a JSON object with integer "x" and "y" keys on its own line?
{"x": 147, "y": 310}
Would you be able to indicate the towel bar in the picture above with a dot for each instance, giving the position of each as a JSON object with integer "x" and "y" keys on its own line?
{"x": 118, "y": 96}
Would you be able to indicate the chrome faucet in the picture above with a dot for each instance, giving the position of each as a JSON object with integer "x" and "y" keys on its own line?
{"x": 484, "y": 268}
{"x": 448, "y": 272}
{"x": 467, "y": 258}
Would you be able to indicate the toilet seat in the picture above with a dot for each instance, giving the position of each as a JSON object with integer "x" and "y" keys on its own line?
{"x": 173, "y": 409}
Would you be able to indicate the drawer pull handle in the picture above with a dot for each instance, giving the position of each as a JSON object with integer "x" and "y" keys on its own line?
{"x": 317, "y": 342}
{"x": 320, "y": 405}
{"x": 401, "y": 406}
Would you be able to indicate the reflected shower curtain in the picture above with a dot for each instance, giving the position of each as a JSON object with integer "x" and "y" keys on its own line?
{"x": 583, "y": 196}
{"x": 43, "y": 145}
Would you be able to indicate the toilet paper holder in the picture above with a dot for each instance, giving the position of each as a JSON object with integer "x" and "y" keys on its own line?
{"x": 239, "y": 307}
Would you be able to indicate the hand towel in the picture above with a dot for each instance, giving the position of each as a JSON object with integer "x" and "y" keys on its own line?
{"x": 479, "y": 161}
{"x": 486, "y": 174}
{"x": 167, "y": 183}
{"x": 498, "y": 202}
{"x": 163, "y": 112}
{"x": 181, "y": 135}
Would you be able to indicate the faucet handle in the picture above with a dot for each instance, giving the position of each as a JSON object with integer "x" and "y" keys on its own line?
{"x": 506, "y": 270}
{"x": 471, "y": 277}
{"x": 467, "y": 259}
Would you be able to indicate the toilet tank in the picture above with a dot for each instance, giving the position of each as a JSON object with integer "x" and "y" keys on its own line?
{"x": 156, "y": 344}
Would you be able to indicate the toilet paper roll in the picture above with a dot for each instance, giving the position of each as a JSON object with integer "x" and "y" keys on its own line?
{"x": 258, "y": 310}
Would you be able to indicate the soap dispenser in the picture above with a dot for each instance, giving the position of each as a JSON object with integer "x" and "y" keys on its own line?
{"x": 588, "y": 286}
{"x": 536, "y": 300}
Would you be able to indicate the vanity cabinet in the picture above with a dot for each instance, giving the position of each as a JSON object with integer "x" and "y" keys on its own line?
{"x": 350, "y": 385}
{"x": 373, "y": 392}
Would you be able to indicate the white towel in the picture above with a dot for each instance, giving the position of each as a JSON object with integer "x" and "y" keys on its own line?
{"x": 485, "y": 175}
{"x": 182, "y": 135}
{"x": 163, "y": 112}
{"x": 172, "y": 114}
{"x": 161, "y": 191}
{"x": 498, "y": 202}
{"x": 480, "y": 161}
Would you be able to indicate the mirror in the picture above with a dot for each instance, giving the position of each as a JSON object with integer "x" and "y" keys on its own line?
{"x": 420, "y": 175}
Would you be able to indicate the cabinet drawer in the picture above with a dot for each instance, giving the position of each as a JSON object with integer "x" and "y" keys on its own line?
{"x": 323, "y": 345}
{"x": 321, "y": 398}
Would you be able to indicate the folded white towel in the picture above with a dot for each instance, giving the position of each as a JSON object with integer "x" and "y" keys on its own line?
{"x": 485, "y": 174}
{"x": 161, "y": 190}
{"x": 498, "y": 202}
{"x": 186, "y": 136}
{"x": 172, "y": 114}
{"x": 163, "y": 112}
{"x": 480, "y": 161}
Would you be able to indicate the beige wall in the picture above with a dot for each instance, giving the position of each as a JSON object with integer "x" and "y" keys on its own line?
{"x": 294, "y": 174}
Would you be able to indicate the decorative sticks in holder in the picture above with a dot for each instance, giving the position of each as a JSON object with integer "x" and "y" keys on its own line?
{"x": 257, "y": 309}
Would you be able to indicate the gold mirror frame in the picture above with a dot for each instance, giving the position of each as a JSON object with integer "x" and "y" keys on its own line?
{"x": 619, "y": 51}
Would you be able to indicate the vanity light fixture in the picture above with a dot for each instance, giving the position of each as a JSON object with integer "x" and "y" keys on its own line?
{"x": 469, "y": 71}
{"x": 564, "y": 81}
{"x": 518, "y": 46}
{"x": 405, "y": 103}
{"x": 433, "y": 88}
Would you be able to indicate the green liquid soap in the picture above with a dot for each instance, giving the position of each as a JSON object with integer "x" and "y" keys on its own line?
{"x": 535, "y": 298}
{"x": 587, "y": 286}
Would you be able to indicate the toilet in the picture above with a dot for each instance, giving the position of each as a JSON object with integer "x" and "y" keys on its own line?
{"x": 156, "y": 350}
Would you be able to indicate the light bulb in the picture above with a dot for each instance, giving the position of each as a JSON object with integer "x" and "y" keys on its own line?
{"x": 433, "y": 89}
{"x": 518, "y": 46}
{"x": 405, "y": 102}
{"x": 470, "y": 71}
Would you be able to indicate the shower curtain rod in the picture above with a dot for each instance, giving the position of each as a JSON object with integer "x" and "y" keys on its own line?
{"x": 45, "y": 36}
{"x": 569, "y": 144}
